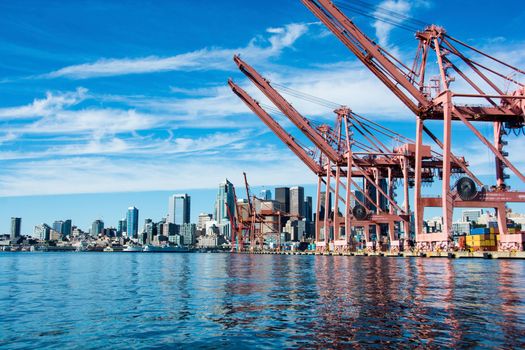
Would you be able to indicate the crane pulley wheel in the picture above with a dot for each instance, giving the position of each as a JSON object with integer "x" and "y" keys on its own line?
{"x": 466, "y": 188}
{"x": 359, "y": 212}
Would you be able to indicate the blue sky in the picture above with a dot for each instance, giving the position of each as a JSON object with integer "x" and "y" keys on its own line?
{"x": 110, "y": 104}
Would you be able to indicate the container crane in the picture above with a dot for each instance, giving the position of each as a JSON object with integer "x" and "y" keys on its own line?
{"x": 433, "y": 99}
{"x": 337, "y": 148}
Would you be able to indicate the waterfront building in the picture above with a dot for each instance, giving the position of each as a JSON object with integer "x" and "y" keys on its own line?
{"x": 42, "y": 231}
{"x": 297, "y": 201}
{"x": 54, "y": 235}
{"x": 461, "y": 228}
{"x": 187, "y": 231}
{"x": 97, "y": 227}
{"x": 296, "y": 229}
{"x": 175, "y": 239}
{"x": 266, "y": 195}
{"x": 211, "y": 240}
{"x": 224, "y": 207}
{"x": 472, "y": 215}
{"x": 16, "y": 226}
{"x": 132, "y": 222}
{"x": 186, "y": 207}
{"x": 282, "y": 195}
{"x": 122, "y": 227}
{"x": 433, "y": 225}
{"x": 202, "y": 220}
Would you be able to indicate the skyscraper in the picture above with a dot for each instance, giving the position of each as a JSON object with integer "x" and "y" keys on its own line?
{"x": 282, "y": 195}
{"x": 58, "y": 226}
{"x": 266, "y": 195}
{"x": 186, "y": 207}
{"x": 122, "y": 227}
{"x": 132, "y": 224}
{"x": 322, "y": 205}
{"x": 97, "y": 227}
{"x": 66, "y": 228}
{"x": 308, "y": 209}
{"x": 16, "y": 224}
{"x": 297, "y": 201}
{"x": 224, "y": 207}
{"x": 225, "y": 202}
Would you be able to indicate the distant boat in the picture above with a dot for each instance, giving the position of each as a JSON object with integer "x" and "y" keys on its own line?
{"x": 149, "y": 248}
{"x": 132, "y": 249}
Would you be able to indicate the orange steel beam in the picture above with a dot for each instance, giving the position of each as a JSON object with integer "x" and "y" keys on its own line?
{"x": 294, "y": 116}
{"x": 276, "y": 128}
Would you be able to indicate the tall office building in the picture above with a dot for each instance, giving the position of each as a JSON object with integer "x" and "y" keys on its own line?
{"x": 66, "y": 228}
{"x": 224, "y": 207}
{"x": 97, "y": 227}
{"x": 58, "y": 226}
{"x": 297, "y": 201}
{"x": 266, "y": 195}
{"x": 16, "y": 224}
{"x": 282, "y": 195}
{"x": 132, "y": 222}
{"x": 225, "y": 202}
{"x": 308, "y": 209}
{"x": 322, "y": 205}
{"x": 172, "y": 208}
{"x": 122, "y": 227}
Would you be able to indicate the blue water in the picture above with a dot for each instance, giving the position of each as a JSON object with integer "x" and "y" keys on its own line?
{"x": 117, "y": 300}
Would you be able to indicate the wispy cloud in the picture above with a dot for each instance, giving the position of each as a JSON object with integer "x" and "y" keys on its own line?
{"x": 42, "y": 107}
{"x": 259, "y": 48}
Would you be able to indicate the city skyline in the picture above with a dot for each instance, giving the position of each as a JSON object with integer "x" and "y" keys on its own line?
{"x": 79, "y": 117}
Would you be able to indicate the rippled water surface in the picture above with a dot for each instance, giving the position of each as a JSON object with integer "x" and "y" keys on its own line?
{"x": 117, "y": 300}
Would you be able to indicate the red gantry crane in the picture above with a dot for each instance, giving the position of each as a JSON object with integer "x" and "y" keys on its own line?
{"x": 431, "y": 98}
{"x": 339, "y": 162}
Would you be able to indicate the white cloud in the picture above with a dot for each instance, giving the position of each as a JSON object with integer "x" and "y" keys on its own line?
{"x": 204, "y": 59}
{"x": 99, "y": 174}
{"x": 383, "y": 28}
{"x": 46, "y": 106}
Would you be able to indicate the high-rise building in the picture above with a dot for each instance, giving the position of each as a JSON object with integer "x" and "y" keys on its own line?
{"x": 282, "y": 195}
{"x": 58, "y": 226}
{"x": 224, "y": 207}
{"x": 67, "y": 227}
{"x": 16, "y": 224}
{"x": 266, "y": 195}
{"x": 322, "y": 205}
{"x": 297, "y": 201}
{"x": 132, "y": 222}
{"x": 42, "y": 232}
{"x": 186, "y": 206}
{"x": 97, "y": 227}
{"x": 308, "y": 209}
{"x": 122, "y": 227}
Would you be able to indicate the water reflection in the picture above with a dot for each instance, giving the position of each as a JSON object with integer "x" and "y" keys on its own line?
{"x": 244, "y": 301}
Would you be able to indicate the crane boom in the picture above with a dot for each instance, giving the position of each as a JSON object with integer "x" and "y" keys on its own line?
{"x": 276, "y": 128}
{"x": 367, "y": 52}
{"x": 295, "y": 117}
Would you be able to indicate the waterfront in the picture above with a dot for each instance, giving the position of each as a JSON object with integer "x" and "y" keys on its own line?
{"x": 88, "y": 300}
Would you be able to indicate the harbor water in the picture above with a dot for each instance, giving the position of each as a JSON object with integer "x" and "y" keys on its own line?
{"x": 139, "y": 301}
